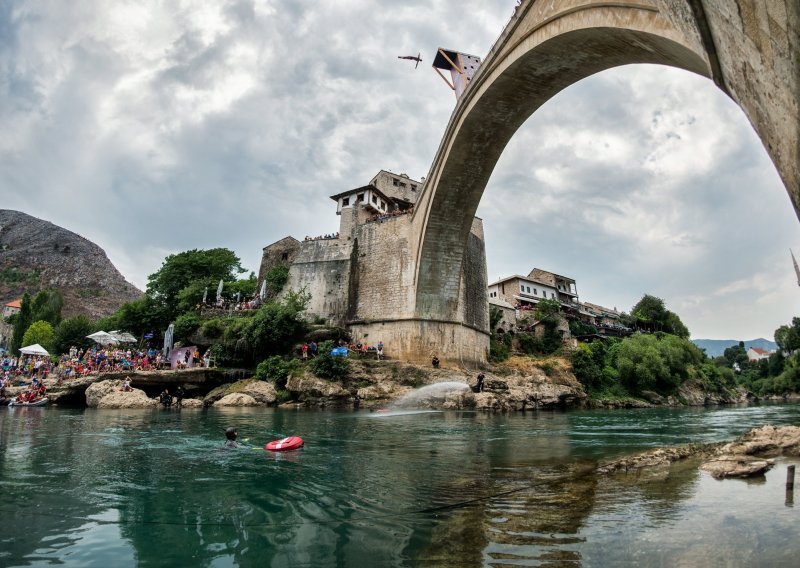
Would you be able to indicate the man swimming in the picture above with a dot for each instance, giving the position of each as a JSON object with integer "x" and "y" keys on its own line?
{"x": 230, "y": 435}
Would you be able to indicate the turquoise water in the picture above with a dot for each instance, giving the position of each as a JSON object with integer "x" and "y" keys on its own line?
{"x": 156, "y": 488}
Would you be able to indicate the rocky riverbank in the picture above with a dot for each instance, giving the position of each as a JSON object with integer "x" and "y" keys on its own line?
{"x": 747, "y": 456}
{"x": 520, "y": 383}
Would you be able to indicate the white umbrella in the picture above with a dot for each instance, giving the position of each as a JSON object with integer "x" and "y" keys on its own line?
{"x": 219, "y": 289}
{"x": 34, "y": 349}
{"x": 103, "y": 338}
{"x": 263, "y": 293}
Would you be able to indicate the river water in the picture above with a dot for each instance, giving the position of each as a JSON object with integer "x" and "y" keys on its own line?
{"x": 155, "y": 488}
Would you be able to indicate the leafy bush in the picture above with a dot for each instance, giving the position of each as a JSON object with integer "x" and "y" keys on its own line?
{"x": 282, "y": 396}
{"x": 276, "y": 278}
{"x": 498, "y": 350}
{"x": 277, "y": 369}
{"x": 212, "y": 328}
{"x": 185, "y": 325}
{"x": 326, "y": 366}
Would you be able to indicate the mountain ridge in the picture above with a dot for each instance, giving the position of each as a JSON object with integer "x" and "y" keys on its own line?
{"x": 36, "y": 254}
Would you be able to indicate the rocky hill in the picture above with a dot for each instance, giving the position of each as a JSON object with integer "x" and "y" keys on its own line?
{"x": 36, "y": 254}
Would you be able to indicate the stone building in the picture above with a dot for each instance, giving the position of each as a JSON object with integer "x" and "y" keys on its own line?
{"x": 362, "y": 277}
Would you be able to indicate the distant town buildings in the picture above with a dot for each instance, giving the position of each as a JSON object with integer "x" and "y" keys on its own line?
{"x": 757, "y": 354}
{"x": 516, "y": 298}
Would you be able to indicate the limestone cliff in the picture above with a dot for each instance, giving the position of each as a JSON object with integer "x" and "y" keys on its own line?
{"x": 36, "y": 254}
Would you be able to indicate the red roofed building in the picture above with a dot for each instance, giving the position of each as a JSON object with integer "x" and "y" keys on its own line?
{"x": 757, "y": 354}
{"x": 11, "y": 308}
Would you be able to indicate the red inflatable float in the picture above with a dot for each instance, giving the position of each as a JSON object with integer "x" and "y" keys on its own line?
{"x": 290, "y": 443}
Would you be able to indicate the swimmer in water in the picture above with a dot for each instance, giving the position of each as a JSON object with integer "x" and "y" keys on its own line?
{"x": 230, "y": 435}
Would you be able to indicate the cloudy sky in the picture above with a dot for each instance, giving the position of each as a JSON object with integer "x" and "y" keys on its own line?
{"x": 155, "y": 127}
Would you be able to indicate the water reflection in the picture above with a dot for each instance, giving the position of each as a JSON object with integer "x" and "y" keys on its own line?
{"x": 442, "y": 489}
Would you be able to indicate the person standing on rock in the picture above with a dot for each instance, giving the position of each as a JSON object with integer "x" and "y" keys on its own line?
{"x": 380, "y": 350}
{"x": 165, "y": 399}
{"x": 179, "y": 394}
{"x": 435, "y": 362}
{"x": 479, "y": 384}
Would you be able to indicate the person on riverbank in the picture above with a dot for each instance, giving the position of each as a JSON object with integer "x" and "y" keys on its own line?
{"x": 230, "y": 438}
{"x": 165, "y": 398}
{"x": 126, "y": 385}
{"x": 380, "y": 350}
{"x": 179, "y": 394}
{"x": 435, "y": 362}
{"x": 479, "y": 384}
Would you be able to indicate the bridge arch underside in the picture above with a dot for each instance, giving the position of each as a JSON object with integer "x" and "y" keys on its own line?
{"x": 482, "y": 126}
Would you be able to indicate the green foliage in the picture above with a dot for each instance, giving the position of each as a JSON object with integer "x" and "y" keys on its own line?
{"x": 498, "y": 352}
{"x": 139, "y": 317}
{"x": 73, "y": 331}
{"x": 212, "y": 328}
{"x": 181, "y": 270}
{"x": 578, "y": 328}
{"x": 586, "y": 368}
{"x": 650, "y": 313}
{"x": 495, "y": 315}
{"x": 660, "y": 364}
{"x": 21, "y": 323}
{"x": 788, "y": 336}
{"x": 278, "y": 325}
{"x": 276, "y": 279}
{"x": 185, "y": 326}
{"x": 326, "y": 366}
{"x": 47, "y": 307}
{"x": 40, "y": 332}
{"x": 14, "y": 277}
{"x": 282, "y": 396}
{"x": 736, "y": 355}
{"x": 277, "y": 369}
{"x": 245, "y": 288}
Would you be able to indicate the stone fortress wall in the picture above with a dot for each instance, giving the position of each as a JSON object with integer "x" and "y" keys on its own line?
{"x": 364, "y": 279}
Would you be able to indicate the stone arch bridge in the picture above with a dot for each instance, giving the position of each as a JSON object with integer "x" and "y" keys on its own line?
{"x": 436, "y": 302}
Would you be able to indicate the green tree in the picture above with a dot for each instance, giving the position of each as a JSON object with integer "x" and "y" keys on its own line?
{"x": 180, "y": 270}
{"x": 47, "y": 307}
{"x": 72, "y": 331}
{"x": 277, "y": 369}
{"x": 788, "y": 336}
{"x": 40, "y": 332}
{"x": 21, "y": 323}
{"x": 651, "y": 313}
{"x": 140, "y": 316}
{"x": 736, "y": 355}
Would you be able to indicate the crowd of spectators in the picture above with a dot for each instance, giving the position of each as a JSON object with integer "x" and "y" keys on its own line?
{"x": 384, "y": 216}
{"x": 323, "y": 237}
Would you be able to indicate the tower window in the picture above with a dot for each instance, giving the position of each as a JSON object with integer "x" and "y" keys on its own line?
{"x": 345, "y": 202}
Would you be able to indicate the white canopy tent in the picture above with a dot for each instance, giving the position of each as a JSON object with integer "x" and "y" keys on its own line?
{"x": 34, "y": 349}
{"x": 122, "y": 336}
{"x": 103, "y": 338}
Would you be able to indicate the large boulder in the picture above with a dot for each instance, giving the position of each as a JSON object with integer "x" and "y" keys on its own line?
{"x": 261, "y": 391}
{"x": 237, "y": 399}
{"x": 309, "y": 386}
{"x": 108, "y": 394}
{"x": 736, "y": 466}
{"x": 191, "y": 403}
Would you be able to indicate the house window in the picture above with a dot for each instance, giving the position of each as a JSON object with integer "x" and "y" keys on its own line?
{"x": 285, "y": 256}
{"x": 535, "y": 292}
{"x": 360, "y": 197}
{"x": 383, "y": 204}
{"x": 402, "y": 184}
{"x": 395, "y": 182}
{"x": 529, "y": 289}
{"x": 413, "y": 187}
{"x": 374, "y": 199}
{"x": 345, "y": 202}
{"x": 521, "y": 288}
